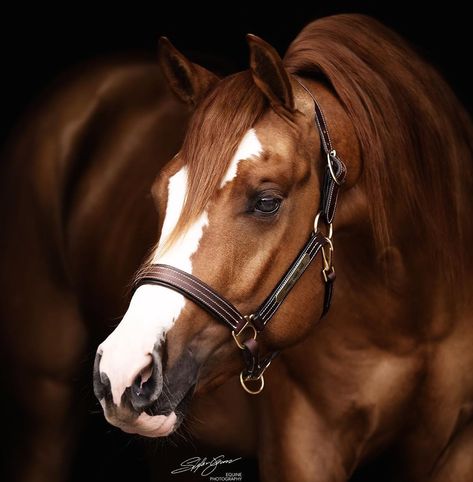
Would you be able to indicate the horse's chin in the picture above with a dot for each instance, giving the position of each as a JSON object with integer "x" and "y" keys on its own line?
{"x": 151, "y": 425}
{"x": 153, "y": 422}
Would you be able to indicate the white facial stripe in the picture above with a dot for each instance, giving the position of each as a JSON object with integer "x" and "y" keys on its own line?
{"x": 153, "y": 309}
{"x": 250, "y": 146}
{"x": 177, "y": 189}
{"x": 127, "y": 351}
{"x": 179, "y": 254}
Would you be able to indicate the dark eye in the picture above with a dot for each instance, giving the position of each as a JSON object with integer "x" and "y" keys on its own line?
{"x": 268, "y": 205}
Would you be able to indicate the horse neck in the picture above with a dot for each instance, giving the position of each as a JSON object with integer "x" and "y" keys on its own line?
{"x": 387, "y": 292}
{"x": 387, "y": 295}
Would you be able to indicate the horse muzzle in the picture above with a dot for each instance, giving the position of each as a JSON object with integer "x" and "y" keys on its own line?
{"x": 155, "y": 402}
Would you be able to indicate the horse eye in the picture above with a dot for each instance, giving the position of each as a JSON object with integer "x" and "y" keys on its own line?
{"x": 268, "y": 205}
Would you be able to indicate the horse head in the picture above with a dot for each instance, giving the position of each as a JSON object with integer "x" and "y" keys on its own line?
{"x": 236, "y": 205}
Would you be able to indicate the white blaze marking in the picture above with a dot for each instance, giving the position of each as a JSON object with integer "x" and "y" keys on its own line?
{"x": 250, "y": 146}
{"x": 179, "y": 254}
{"x": 154, "y": 309}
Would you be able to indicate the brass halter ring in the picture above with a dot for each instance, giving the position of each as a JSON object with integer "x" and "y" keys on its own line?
{"x": 244, "y": 380}
{"x": 247, "y": 325}
{"x": 316, "y": 226}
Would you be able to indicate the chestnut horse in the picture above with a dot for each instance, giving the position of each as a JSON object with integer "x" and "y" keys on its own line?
{"x": 386, "y": 370}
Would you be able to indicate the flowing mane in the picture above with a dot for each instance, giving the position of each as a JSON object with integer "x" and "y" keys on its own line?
{"x": 416, "y": 139}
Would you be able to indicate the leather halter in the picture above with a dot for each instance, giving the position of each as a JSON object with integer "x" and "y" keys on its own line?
{"x": 223, "y": 310}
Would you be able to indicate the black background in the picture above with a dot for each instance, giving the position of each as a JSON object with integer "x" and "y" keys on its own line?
{"x": 38, "y": 43}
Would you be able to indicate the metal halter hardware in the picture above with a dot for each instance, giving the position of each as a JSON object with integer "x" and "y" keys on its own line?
{"x": 223, "y": 310}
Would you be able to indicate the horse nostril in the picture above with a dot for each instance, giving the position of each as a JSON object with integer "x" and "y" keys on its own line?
{"x": 137, "y": 386}
{"x": 147, "y": 386}
{"x": 144, "y": 382}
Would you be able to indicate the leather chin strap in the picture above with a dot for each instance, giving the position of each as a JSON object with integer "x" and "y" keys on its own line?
{"x": 223, "y": 310}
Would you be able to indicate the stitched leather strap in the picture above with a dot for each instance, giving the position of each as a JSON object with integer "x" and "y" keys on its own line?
{"x": 335, "y": 170}
{"x": 272, "y": 303}
{"x": 328, "y": 291}
{"x": 254, "y": 364}
{"x": 320, "y": 121}
{"x": 218, "y": 306}
{"x": 194, "y": 289}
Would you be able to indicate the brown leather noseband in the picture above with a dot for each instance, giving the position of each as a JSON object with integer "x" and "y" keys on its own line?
{"x": 223, "y": 310}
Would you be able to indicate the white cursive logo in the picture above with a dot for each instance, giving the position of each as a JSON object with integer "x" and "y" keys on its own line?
{"x": 194, "y": 464}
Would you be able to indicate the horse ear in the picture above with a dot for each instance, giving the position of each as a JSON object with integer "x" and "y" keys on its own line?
{"x": 269, "y": 73}
{"x": 187, "y": 80}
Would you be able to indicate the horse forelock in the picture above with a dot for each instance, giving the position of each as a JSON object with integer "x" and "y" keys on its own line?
{"x": 215, "y": 132}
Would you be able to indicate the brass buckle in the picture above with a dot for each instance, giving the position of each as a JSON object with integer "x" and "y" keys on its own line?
{"x": 332, "y": 153}
{"x": 247, "y": 325}
{"x": 326, "y": 272}
{"x": 328, "y": 260}
{"x": 247, "y": 389}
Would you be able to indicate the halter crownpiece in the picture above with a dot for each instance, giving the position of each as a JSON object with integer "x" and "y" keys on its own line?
{"x": 251, "y": 325}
